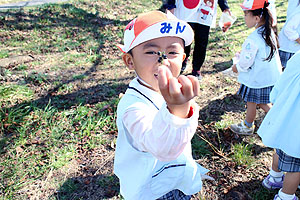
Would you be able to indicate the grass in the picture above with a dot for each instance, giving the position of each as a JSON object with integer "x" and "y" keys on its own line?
{"x": 47, "y": 139}
{"x": 241, "y": 154}
{"x": 61, "y": 106}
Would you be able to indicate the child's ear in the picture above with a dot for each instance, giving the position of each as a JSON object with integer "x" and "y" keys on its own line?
{"x": 257, "y": 19}
{"x": 183, "y": 57}
{"x": 128, "y": 60}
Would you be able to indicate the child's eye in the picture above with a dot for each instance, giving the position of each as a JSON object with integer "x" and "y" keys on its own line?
{"x": 173, "y": 53}
{"x": 151, "y": 52}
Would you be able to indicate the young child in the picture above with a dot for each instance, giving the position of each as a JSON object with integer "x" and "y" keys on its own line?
{"x": 280, "y": 129}
{"x": 200, "y": 15}
{"x": 289, "y": 36}
{"x": 157, "y": 116}
{"x": 259, "y": 64}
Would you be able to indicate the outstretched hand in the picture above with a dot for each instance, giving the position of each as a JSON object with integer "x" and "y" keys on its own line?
{"x": 177, "y": 92}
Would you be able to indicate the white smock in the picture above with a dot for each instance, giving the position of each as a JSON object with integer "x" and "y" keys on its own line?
{"x": 280, "y": 128}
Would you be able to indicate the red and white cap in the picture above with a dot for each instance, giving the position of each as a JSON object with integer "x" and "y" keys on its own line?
{"x": 152, "y": 25}
{"x": 253, "y": 4}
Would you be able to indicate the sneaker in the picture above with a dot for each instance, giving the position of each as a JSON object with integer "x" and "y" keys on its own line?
{"x": 278, "y": 198}
{"x": 197, "y": 74}
{"x": 270, "y": 185}
{"x": 242, "y": 128}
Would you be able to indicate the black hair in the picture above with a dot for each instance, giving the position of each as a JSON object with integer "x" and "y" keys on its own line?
{"x": 130, "y": 52}
{"x": 267, "y": 28}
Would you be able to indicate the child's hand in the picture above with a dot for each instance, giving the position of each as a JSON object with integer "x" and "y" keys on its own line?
{"x": 234, "y": 69}
{"x": 177, "y": 92}
{"x": 226, "y": 26}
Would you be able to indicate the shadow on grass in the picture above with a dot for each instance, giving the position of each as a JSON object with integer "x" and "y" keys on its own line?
{"x": 56, "y": 15}
{"x": 252, "y": 190}
{"x": 218, "y": 107}
{"x": 218, "y": 67}
{"x": 89, "y": 188}
{"x": 66, "y": 16}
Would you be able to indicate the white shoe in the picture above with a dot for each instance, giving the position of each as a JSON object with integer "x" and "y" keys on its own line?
{"x": 242, "y": 128}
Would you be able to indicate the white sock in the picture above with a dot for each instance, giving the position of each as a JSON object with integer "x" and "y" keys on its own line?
{"x": 285, "y": 196}
{"x": 276, "y": 176}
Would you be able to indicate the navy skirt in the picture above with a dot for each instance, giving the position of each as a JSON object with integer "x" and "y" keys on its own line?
{"x": 284, "y": 57}
{"x": 255, "y": 95}
{"x": 287, "y": 163}
{"x": 175, "y": 195}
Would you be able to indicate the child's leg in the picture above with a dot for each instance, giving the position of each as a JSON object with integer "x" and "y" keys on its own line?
{"x": 275, "y": 162}
{"x": 251, "y": 112}
{"x": 292, "y": 178}
{"x": 246, "y": 126}
{"x": 275, "y": 178}
{"x": 291, "y": 182}
{"x": 290, "y": 185}
{"x": 201, "y": 41}
{"x": 265, "y": 107}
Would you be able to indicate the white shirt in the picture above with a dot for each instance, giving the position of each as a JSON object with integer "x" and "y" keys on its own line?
{"x": 158, "y": 132}
{"x": 254, "y": 71}
{"x": 289, "y": 33}
{"x": 202, "y": 13}
{"x": 153, "y": 152}
{"x": 293, "y": 5}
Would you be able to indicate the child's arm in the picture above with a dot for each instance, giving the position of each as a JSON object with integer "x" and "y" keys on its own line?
{"x": 246, "y": 56}
{"x": 177, "y": 92}
{"x": 169, "y": 5}
{"x": 224, "y": 6}
{"x": 290, "y": 29}
{"x": 160, "y": 133}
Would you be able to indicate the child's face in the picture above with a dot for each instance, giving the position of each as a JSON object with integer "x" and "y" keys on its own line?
{"x": 144, "y": 58}
{"x": 250, "y": 19}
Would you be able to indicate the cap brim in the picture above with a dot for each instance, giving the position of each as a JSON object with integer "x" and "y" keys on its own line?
{"x": 243, "y": 7}
{"x": 121, "y": 47}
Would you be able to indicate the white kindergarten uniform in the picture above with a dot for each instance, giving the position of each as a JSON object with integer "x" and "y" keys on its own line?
{"x": 280, "y": 128}
{"x": 153, "y": 152}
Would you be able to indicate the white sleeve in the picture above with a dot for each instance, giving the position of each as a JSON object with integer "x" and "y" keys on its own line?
{"x": 290, "y": 29}
{"x": 247, "y": 56}
{"x": 163, "y": 135}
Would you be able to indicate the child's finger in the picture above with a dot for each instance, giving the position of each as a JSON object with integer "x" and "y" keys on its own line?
{"x": 164, "y": 75}
{"x": 187, "y": 86}
{"x": 174, "y": 87}
{"x": 195, "y": 84}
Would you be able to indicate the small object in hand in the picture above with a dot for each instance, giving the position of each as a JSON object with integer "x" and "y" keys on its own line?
{"x": 226, "y": 26}
{"x": 162, "y": 56}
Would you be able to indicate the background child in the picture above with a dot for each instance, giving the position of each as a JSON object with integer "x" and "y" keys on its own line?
{"x": 293, "y": 5}
{"x": 259, "y": 64}
{"x": 157, "y": 117}
{"x": 289, "y": 36}
{"x": 200, "y": 15}
{"x": 281, "y": 130}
